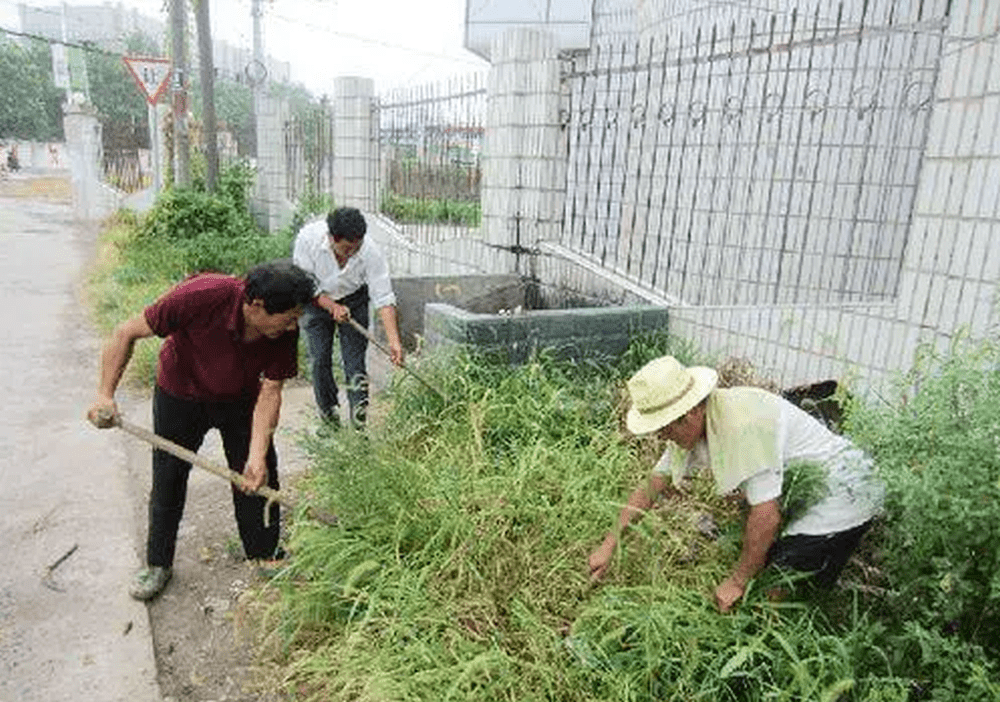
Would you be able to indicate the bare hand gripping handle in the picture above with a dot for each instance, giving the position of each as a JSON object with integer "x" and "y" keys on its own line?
{"x": 232, "y": 476}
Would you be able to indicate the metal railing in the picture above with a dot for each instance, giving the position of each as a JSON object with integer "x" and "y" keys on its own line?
{"x": 430, "y": 144}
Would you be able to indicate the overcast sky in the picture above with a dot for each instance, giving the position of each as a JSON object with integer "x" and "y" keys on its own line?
{"x": 395, "y": 42}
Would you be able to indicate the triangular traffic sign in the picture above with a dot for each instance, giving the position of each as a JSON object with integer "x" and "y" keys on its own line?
{"x": 151, "y": 74}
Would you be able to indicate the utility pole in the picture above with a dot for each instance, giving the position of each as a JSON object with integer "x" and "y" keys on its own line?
{"x": 257, "y": 74}
{"x": 182, "y": 148}
{"x": 62, "y": 72}
{"x": 207, "y": 67}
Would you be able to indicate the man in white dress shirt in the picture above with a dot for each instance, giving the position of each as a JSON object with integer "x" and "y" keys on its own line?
{"x": 351, "y": 272}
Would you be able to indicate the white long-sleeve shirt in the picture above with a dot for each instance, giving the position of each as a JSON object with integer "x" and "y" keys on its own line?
{"x": 314, "y": 254}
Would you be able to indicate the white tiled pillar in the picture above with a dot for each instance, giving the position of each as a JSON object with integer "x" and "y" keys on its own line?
{"x": 524, "y": 163}
{"x": 83, "y": 151}
{"x": 354, "y": 155}
{"x": 273, "y": 208}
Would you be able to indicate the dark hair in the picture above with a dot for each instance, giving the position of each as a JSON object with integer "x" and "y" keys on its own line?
{"x": 280, "y": 284}
{"x": 346, "y": 223}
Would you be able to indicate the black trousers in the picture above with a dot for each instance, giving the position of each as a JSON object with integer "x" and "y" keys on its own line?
{"x": 822, "y": 555}
{"x": 186, "y": 422}
{"x": 319, "y": 331}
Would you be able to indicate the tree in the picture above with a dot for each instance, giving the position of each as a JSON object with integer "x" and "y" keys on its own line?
{"x": 234, "y": 105}
{"x": 29, "y": 101}
{"x": 232, "y": 110}
{"x": 112, "y": 89}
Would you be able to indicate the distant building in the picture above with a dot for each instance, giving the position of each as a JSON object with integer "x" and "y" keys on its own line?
{"x": 107, "y": 25}
{"x": 110, "y": 25}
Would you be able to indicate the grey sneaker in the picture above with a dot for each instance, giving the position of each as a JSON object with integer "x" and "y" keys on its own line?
{"x": 149, "y": 582}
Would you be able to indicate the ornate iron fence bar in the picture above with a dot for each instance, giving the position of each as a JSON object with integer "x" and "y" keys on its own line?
{"x": 430, "y": 143}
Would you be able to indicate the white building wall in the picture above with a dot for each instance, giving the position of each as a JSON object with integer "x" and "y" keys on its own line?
{"x": 614, "y": 20}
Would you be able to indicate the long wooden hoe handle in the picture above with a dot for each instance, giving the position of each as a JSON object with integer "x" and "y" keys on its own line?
{"x": 232, "y": 476}
{"x": 367, "y": 334}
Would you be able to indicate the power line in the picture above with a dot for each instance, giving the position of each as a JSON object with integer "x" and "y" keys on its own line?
{"x": 375, "y": 42}
{"x": 49, "y": 40}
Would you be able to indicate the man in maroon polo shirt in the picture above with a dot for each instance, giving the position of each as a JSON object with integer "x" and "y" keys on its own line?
{"x": 229, "y": 345}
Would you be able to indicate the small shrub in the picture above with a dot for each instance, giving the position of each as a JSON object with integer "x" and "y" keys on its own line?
{"x": 938, "y": 452}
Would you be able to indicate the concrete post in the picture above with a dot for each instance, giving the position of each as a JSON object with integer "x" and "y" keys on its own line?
{"x": 354, "y": 159}
{"x": 273, "y": 210}
{"x": 83, "y": 152}
{"x": 524, "y": 164}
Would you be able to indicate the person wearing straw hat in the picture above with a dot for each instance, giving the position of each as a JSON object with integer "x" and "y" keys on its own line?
{"x": 748, "y": 437}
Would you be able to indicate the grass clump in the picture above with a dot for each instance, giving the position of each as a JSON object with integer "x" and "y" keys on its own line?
{"x": 459, "y": 571}
{"x": 938, "y": 445}
{"x": 188, "y": 231}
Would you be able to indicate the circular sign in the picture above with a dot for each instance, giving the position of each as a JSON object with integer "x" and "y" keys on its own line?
{"x": 256, "y": 73}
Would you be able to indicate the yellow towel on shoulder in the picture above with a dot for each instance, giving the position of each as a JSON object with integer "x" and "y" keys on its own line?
{"x": 742, "y": 431}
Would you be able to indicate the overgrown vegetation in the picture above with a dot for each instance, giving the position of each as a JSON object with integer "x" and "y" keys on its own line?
{"x": 938, "y": 442}
{"x": 188, "y": 231}
{"x": 459, "y": 569}
{"x": 415, "y": 210}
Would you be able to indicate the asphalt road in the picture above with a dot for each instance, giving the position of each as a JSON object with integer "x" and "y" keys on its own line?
{"x": 68, "y": 532}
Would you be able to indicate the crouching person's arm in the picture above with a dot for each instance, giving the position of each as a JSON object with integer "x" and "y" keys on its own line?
{"x": 761, "y": 529}
{"x": 638, "y": 502}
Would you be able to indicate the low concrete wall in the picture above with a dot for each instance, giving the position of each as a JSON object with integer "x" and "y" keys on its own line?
{"x": 595, "y": 332}
{"x": 474, "y": 293}
{"x": 487, "y": 312}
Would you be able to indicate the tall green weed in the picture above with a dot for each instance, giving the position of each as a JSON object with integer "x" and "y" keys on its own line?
{"x": 459, "y": 568}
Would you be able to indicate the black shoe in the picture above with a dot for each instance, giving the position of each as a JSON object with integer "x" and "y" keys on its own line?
{"x": 328, "y": 426}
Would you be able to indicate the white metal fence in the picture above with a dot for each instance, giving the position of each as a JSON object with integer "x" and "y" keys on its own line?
{"x": 757, "y": 165}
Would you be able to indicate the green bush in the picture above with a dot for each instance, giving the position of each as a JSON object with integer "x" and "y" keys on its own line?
{"x": 937, "y": 447}
{"x": 190, "y": 213}
{"x": 190, "y": 230}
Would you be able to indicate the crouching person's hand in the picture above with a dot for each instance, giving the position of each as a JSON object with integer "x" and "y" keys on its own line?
{"x": 601, "y": 558}
{"x": 727, "y": 594}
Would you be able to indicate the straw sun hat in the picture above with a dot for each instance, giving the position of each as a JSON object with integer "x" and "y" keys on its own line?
{"x": 663, "y": 390}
